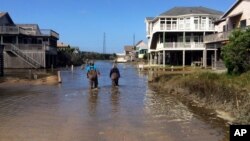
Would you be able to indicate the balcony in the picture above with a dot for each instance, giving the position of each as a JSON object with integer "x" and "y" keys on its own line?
{"x": 181, "y": 45}
{"x": 218, "y": 37}
{"x": 48, "y": 32}
{"x": 9, "y": 30}
{"x": 19, "y": 30}
{"x": 182, "y": 27}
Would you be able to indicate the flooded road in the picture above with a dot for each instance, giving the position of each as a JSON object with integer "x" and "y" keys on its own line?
{"x": 131, "y": 112}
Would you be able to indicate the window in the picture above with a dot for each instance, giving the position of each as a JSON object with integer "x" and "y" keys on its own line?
{"x": 187, "y": 22}
{"x": 234, "y": 25}
{"x": 203, "y": 22}
{"x": 168, "y": 23}
{"x": 196, "y": 38}
{"x": 181, "y": 23}
{"x": 188, "y": 39}
{"x": 174, "y": 23}
{"x": 243, "y": 23}
{"x": 224, "y": 28}
{"x": 162, "y": 21}
{"x": 211, "y": 26}
{"x": 196, "y": 23}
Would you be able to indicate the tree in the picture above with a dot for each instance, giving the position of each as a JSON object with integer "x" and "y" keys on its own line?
{"x": 236, "y": 52}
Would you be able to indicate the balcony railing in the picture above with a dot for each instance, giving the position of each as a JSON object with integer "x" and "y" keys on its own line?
{"x": 174, "y": 45}
{"x": 48, "y": 32}
{"x": 9, "y": 30}
{"x": 221, "y": 36}
{"x": 20, "y": 30}
{"x": 181, "y": 27}
{"x": 218, "y": 37}
{"x": 27, "y": 47}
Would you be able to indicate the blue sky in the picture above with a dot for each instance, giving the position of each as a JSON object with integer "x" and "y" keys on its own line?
{"x": 83, "y": 22}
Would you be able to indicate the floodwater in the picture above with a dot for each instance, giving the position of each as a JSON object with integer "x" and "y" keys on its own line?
{"x": 131, "y": 112}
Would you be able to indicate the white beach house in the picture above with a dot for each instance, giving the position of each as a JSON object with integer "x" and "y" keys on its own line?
{"x": 175, "y": 37}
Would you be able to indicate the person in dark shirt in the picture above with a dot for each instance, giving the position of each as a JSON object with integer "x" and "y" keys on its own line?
{"x": 114, "y": 75}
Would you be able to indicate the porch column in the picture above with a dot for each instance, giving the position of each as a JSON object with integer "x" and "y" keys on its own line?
{"x": 184, "y": 39}
{"x": 204, "y": 53}
{"x": 155, "y": 58}
{"x": 164, "y": 40}
{"x": 215, "y": 58}
{"x": 150, "y": 58}
{"x": 164, "y": 58}
{"x": 205, "y": 58}
{"x": 1, "y": 40}
{"x": 159, "y": 58}
{"x": 183, "y": 58}
{"x": 17, "y": 40}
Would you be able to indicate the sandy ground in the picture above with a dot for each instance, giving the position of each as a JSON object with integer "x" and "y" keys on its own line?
{"x": 48, "y": 80}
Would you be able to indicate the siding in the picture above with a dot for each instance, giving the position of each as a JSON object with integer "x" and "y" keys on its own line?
{"x": 13, "y": 61}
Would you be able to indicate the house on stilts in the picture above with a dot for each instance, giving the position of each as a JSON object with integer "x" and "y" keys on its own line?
{"x": 26, "y": 45}
{"x": 175, "y": 37}
{"x": 237, "y": 16}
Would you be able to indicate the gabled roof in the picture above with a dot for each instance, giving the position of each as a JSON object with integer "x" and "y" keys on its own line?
{"x": 6, "y": 14}
{"x": 138, "y": 42}
{"x": 1, "y": 14}
{"x": 232, "y": 7}
{"x": 177, "y": 11}
{"x": 129, "y": 48}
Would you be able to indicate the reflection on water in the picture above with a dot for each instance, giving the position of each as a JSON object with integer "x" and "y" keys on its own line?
{"x": 166, "y": 107}
{"x": 93, "y": 101}
{"x": 71, "y": 111}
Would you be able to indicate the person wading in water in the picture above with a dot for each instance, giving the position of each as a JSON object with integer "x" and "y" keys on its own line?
{"x": 92, "y": 75}
{"x": 114, "y": 75}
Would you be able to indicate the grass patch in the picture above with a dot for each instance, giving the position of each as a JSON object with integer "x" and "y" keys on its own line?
{"x": 216, "y": 91}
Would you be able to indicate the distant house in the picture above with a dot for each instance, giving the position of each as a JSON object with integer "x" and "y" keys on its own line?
{"x": 141, "y": 49}
{"x": 26, "y": 45}
{"x": 175, "y": 37}
{"x": 129, "y": 52}
{"x": 238, "y": 16}
{"x": 62, "y": 46}
{"x": 121, "y": 58}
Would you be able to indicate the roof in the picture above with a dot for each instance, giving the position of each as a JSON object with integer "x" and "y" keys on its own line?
{"x": 2, "y": 14}
{"x": 149, "y": 18}
{"x": 129, "y": 48}
{"x": 138, "y": 42}
{"x": 29, "y": 25}
{"x": 232, "y": 7}
{"x": 176, "y": 11}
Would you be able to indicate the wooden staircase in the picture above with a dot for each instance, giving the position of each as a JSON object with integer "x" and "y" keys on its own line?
{"x": 220, "y": 65}
{"x": 15, "y": 50}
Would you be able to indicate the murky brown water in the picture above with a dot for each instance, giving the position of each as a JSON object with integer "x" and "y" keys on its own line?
{"x": 132, "y": 112}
